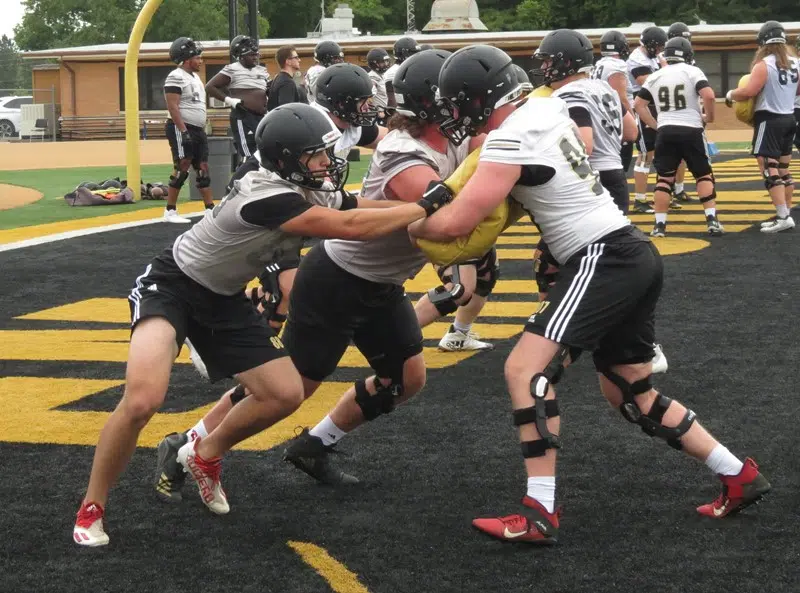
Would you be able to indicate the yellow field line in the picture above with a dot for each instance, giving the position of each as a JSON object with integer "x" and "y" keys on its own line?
{"x": 337, "y": 575}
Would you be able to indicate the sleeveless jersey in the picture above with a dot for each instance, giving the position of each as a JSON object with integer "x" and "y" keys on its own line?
{"x": 674, "y": 91}
{"x": 780, "y": 90}
{"x": 603, "y": 104}
{"x": 392, "y": 259}
{"x": 379, "y": 99}
{"x": 192, "y": 103}
{"x": 572, "y": 209}
{"x": 350, "y": 135}
{"x": 388, "y": 76}
{"x": 223, "y": 252}
{"x": 311, "y": 80}
{"x": 242, "y": 78}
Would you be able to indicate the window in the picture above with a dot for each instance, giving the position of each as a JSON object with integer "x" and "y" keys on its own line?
{"x": 710, "y": 62}
{"x": 17, "y": 103}
{"x": 738, "y": 66}
{"x": 151, "y": 87}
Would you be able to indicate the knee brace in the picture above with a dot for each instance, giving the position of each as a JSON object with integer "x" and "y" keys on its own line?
{"x": 381, "y": 402}
{"x": 787, "y": 180}
{"x": 665, "y": 185}
{"x": 238, "y": 394}
{"x": 542, "y": 409}
{"x": 545, "y": 267}
{"x": 202, "y": 180}
{"x": 713, "y": 194}
{"x": 272, "y": 287}
{"x": 488, "y": 270}
{"x": 445, "y": 300}
{"x": 177, "y": 181}
{"x": 650, "y": 422}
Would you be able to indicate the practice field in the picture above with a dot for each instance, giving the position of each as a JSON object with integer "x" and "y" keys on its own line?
{"x": 728, "y": 324}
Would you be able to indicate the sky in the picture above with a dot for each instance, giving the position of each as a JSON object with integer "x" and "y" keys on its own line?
{"x": 12, "y": 14}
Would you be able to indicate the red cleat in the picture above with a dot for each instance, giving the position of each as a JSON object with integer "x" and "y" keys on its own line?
{"x": 738, "y": 492}
{"x": 537, "y": 526}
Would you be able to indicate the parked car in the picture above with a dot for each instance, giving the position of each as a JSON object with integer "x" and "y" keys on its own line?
{"x": 11, "y": 114}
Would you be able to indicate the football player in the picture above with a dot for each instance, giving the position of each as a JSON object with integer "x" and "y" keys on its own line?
{"x": 603, "y": 300}
{"x": 404, "y": 48}
{"x": 326, "y": 53}
{"x": 379, "y": 62}
{"x": 676, "y": 92}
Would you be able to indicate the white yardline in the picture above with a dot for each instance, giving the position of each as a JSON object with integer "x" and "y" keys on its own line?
{"x": 84, "y": 232}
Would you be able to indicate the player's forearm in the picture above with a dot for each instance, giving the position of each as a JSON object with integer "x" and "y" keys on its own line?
{"x": 370, "y": 223}
{"x": 709, "y": 106}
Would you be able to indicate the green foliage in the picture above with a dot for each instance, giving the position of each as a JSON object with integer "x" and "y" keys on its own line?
{"x": 10, "y": 66}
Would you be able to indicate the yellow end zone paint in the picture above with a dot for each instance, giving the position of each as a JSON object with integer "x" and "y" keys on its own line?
{"x": 336, "y": 574}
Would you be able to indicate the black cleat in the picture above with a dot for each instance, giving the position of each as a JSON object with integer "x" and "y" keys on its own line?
{"x": 685, "y": 198}
{"x": 308, "y": 454}
{"x": 659, "y": 230}
{"x": 715, "y": 228}
{"x": 170, "y": 475}
{"x": 642, "y": 207}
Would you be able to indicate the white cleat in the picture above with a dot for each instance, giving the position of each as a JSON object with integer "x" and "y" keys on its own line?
{"x": 659, "y": 361}
{"x": 172, "y": 216}
{"x": 206, "y": 475}
{"x": 198, "y": 363}
{"x": 458, "y": 341}
{"x": 88, "y": 530}
{"x": 778, "y": 225}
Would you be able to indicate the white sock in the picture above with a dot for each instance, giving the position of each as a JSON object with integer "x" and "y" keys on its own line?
{"x": 198, "y": 431}
{"x": 641, "y": 197}
{"x": 721, "y": 461}
{"x": 783, "y": 211}
{"x": 710, "y": 211}
{"x": 661, "y": 217}
{"x": 327, "y": 431}
{"x": 678, "y": 188}
{"x": 543, "y": 490}
{"x": 463, "y": 328}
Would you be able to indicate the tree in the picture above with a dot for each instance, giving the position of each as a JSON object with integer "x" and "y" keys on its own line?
{"x": 10, "y": 62}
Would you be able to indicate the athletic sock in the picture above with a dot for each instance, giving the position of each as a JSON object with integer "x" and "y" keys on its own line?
{"x": 661, "y": 217}
{"x": 710, "y": 212}
{"x": 543, "y": 490}
{"x": 168, "y": 207}
{"x": 782, "y": 210}
{"x": 462, "y": 327}
{"x": 721, "y": 461}
{"x": 641, "y": 197}
{"x": 198, "y": 431}
{"x": 678, "y": 188}
{"x": 327, "y": 432}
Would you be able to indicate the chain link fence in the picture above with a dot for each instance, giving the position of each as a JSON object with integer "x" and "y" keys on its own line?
{"x": 29, "y": 115}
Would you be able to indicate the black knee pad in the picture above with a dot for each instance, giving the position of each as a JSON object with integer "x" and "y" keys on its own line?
{"x": 443, "y": 299}
{"x": 771, "y": 181}
{"x": 202, "y": 180}
{"x": 488, "y": 271}
{"x": 379, "y": 403}
{"x": 665, "y": 185}
{"x": 713, "y": 194}
{"x": 238, "y": 394}
{"x": 545, "y": 267}
{"x": 177, "y": 181}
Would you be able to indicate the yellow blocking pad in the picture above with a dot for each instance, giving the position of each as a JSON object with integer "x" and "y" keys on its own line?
{"x": 336, "y": 574}
{"x": 28, "y": 415}
{"x": 111, "y": 345}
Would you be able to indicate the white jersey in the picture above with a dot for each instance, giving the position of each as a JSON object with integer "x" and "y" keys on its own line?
{"x": 255, "y": 78}
{"x": 572, "y": 209}
{"x": 311, "y": 80}
{"x": 350, "y": 135}
{"x": 192, "y": 104}
{"x": 674, "y": 91}
{"x": 605, "y": 109}
{"x": 388, "y": 76}
{"x": 780, "y": 91}
{"x": 392, "y": 258}
{"x": 223, "y": 252}
{"x": 607, "y": 66}
{"x": 637, "y": 60}
{"x": 379, "y": 98}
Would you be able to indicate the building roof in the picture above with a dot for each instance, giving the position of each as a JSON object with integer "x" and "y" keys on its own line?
{"x": 707, "y": 35}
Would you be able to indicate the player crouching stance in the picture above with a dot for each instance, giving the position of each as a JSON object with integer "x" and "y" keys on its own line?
{"x": 195, "y": 290}
{"x": 674, "y": 92}
{"x": 603, "y": 299}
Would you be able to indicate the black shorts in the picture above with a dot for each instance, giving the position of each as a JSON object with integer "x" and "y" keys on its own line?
{"x": 227, "y": 332}
{"x": 604, "y": 299}
{"x": 797, "y": 128}
{"x": 243, "y": 128}
{"x": 191, "y": 146}
{"x": 773, "y": 134}
{"x": 646, "y": 142}
{"x": 331, "y": 307}
{"x": 617, "y": 185}
{"x": 681, "y": 143}
{"x": 626, "y": 155}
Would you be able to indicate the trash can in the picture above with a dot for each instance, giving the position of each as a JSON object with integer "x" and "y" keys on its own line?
{"x": 220, "y": 150}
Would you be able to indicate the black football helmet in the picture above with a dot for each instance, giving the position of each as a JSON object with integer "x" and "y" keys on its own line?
{"x": 242, "y": 45}
{"x": 378, "y": 60}
{"x": 522, "y": 78}
{"x": 289, "y": 132}
{"x": 614, "y": 42}
{"x": 771, "y": 32}
{"x": 678, "y": 49}
{"x": 404, "y": 48}
{"x": 475, "y": 81}
{"x": 184, "y": 48}
{"x": 340, "y": 88}
{"x": 425, "y": 46}
{"x": 415, "y": 84}
{"x": 328, "y": 53}
{"x": 679, "y": 30}
{"x": 653, "y": 39}
{"x": 563, "y": 52}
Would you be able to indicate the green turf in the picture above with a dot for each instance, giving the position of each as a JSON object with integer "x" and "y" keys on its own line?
{"x": 54, "y": 183}
{"x": 733, "y": 145}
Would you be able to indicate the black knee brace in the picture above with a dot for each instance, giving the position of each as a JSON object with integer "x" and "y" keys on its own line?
{"x": 650, "y": 422}
{"x": 177, "y": 181}
{"x": 665, "y": 185}
{"x": 787, "y": 180}
{"x": 238, "y": 394}
{"x": 381, "y": 402}
{"x": 488, "y": 271}
{"x": 542, "y": 409}
{"x": 202, "y": 179}
{"x": 445, "y": 300}
{"x": 771, "y": 181}
{"x": 545, "y": 267}
{"x": 713, "y": 194}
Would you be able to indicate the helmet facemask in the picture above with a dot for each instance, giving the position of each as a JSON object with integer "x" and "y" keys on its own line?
{"x": 294, "y": 169}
